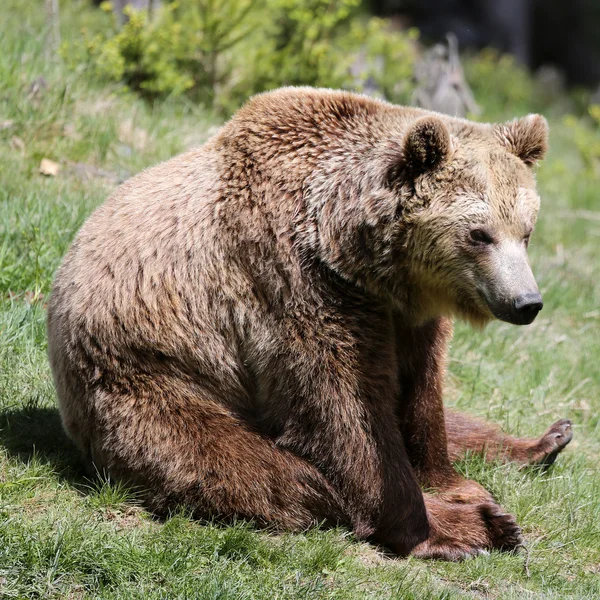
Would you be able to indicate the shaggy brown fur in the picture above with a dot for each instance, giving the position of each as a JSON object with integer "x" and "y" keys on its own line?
{"x": 258, "y": 328}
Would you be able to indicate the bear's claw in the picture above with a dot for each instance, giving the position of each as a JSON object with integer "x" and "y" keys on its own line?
{"x": 552, "y": 443}
{"x": 504, "y": 532}
{"x": 460, "y": 531}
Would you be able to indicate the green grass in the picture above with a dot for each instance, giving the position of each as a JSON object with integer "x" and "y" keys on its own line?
{"x": 63, "y": 535}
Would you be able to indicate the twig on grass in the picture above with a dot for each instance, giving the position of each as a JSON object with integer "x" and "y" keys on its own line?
{"x": 526, "y": 563}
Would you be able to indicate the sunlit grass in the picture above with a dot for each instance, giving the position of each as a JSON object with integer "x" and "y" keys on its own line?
{"x": 65, "y": 534}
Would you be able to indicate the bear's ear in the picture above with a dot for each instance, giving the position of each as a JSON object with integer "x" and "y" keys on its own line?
{"x": 426, "y": 145}
{"x": 526, "y": 138}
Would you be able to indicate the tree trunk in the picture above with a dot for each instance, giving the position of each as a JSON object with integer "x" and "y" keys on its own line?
{"x": 53, "y": 27}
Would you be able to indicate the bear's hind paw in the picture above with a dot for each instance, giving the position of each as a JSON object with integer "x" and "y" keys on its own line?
{"x": 549, "y": 446}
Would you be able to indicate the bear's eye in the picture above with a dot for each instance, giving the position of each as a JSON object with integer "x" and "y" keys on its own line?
{"x": 526, "y": 239}
{"x": 480, "y": 237}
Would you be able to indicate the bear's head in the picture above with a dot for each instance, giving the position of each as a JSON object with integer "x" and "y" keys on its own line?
{"x": 470, "y": 213}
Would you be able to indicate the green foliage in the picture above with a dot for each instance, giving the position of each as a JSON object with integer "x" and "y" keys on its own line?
{"x": 501, "y": 81}
{"x": 220, "y": 53}
{"x": 186, "y": 46}
{"x": 104, "y": 493}
{"x": 585, "y": 133}
{"x": 303, "y": 44}
{"x": 143, "y": 54}
{"x": 386, "y": 59}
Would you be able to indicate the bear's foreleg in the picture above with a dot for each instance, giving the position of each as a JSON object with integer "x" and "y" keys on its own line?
{"x": 362, "y": 455}
{"x": 421, "y": 354}
{"x": 469, "y": 434}
{"x": 463, "y": 516}
{"x": 336, "y": 408}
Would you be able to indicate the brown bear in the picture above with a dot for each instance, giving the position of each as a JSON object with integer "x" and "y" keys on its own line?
{"x": 258, "y": 328}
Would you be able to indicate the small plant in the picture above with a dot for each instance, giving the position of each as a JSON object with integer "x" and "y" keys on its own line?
{"x": 220, "y": 53}
{"x": 105, "y": 493}
{"x": 501, "y": 81}
{"x": 303, "y": 44}
{"x": 585, "y": 133}
{"x": 388, "y": 57}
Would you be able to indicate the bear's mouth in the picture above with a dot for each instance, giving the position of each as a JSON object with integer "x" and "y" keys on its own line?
{"x": 508, "y": 310}
{"x": 474, "y": 309}
{"x": 494, "y": 308}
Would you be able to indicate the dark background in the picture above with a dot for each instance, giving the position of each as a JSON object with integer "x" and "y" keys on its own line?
{"x": 561, "y": 33}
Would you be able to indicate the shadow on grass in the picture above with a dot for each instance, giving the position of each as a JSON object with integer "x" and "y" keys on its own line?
{"x": 36, "y": 433}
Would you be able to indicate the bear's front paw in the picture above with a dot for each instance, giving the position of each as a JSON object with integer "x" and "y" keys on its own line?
{"x": 460, "y": 531}
{"x": 503, "y": 530}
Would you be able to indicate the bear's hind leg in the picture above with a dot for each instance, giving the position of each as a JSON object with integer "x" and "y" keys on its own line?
{"x": 196, "y": 454}
{"x": 468, "y": 434}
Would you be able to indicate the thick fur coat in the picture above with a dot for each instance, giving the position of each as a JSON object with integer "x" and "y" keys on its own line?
{"x": 258, "y": 328}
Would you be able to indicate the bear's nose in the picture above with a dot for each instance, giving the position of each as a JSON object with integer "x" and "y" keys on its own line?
{"x": 527, "y": 306}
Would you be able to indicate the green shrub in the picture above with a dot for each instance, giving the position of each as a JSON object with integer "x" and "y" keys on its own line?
{"x": 321, "y": 43}
{"x": 303, "y": 46}
{"x": 389, "y": 57}
{"x": 499, "y": 83}
{"x": 219, "y": 52}
{"x": 585, "y": 133}
{"x": 180, "y": 50}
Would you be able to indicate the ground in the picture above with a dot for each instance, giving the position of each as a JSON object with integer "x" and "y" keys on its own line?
{"x": 63, "y": 535}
